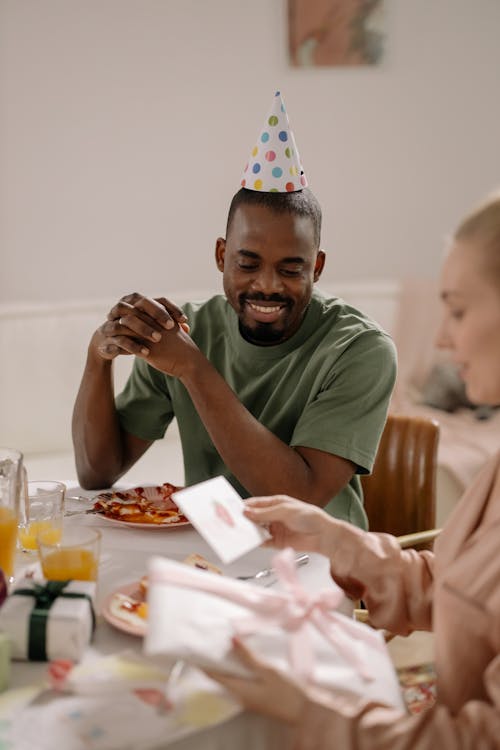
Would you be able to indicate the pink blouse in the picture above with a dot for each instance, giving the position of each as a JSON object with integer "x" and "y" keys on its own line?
{"x": 455, "y": 592}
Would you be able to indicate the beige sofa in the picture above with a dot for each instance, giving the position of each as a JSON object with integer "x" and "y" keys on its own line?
{"x": 44, "y": 349}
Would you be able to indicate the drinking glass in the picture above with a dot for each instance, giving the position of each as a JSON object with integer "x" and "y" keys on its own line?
{"x": 42, "y": 510}
{"x": 11, "y": 483}
{"x": 74, "y": 556}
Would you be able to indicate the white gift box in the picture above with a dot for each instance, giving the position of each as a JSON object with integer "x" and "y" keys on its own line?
{"x": 194, "y": 614}
{"x": 44, "y": 625}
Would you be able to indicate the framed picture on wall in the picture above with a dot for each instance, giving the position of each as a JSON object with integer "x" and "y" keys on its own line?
{"x": 335, "y": 32}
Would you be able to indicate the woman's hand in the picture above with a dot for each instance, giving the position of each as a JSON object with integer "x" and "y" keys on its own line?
{"x": 268, "y": 691}
{"x": 293, "y": 523}
{"x": 311, "y": 710}
{"x": 318, "y": 716}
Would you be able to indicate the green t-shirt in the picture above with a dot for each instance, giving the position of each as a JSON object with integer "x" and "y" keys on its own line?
{"x": 327, "y": 387}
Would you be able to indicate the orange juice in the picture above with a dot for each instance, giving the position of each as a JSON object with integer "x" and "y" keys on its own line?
{"x": 63, "y": 564}
{"x": 28, "y": 534}
{"x": 8, "y": 537}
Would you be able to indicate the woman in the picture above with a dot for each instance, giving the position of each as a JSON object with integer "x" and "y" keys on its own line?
{"x": 455, "y": 592}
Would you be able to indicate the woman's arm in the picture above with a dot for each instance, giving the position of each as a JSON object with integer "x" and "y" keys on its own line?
{"x": 334, "y": 721}
{"x": 324, "y": 720}
{"x": 395, "y": 584}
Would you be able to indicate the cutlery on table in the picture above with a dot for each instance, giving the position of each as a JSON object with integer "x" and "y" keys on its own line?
{"x": 299, "y": 560}
{"x": 81, "y": 512}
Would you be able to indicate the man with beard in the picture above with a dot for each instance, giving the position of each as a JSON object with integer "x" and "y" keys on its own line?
{"x": 273, "y": 386}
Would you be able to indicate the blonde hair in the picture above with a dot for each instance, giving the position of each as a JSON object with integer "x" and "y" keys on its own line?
{"x": 482, "y": 226}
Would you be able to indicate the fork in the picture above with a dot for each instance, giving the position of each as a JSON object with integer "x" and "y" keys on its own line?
{"x": 80, "y": 512}
{"x": 299, "y": 560}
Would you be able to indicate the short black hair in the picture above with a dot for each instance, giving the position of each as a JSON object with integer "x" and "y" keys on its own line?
{"x": 301, "y": 202}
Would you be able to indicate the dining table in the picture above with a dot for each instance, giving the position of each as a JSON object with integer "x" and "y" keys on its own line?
{"x": 124, "y": 555}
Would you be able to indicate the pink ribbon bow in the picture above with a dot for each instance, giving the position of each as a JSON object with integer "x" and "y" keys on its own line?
{"x": 317, "y": 609}
{"x": 292, "y": 609}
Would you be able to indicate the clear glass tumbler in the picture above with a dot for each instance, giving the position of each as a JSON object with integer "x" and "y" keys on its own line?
{"x": 42, "y": 510}
{"x": 11, "y": 487}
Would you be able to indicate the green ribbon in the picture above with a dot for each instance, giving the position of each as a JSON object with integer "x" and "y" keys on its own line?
{"x": 45, "y": 595}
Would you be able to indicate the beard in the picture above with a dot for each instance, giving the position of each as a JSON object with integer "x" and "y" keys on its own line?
{"x": 263, "y": 334}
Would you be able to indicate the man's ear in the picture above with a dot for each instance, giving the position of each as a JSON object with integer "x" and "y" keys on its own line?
{"x": 319, "y": 264}
{"x": 220, "y": 251}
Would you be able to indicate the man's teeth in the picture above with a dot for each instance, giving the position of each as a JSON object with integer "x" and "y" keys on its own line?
{"x": 261, "y": 309}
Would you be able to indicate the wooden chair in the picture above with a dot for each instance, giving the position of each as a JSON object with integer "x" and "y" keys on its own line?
{"x": 400, "y": 494}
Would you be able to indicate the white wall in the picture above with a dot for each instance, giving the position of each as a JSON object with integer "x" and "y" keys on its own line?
{"x": 126, "y": 124}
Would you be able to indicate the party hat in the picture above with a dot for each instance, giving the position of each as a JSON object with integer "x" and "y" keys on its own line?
{"x": 274, "y": 165}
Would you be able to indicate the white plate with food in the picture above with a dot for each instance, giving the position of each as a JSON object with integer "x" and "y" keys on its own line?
{"x": 126, "y": 609}
{"x": 141, "y": 507}
{"x": 174, "y": 523}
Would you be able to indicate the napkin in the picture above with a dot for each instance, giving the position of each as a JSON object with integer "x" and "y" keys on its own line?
{"x": 114, "y": 715}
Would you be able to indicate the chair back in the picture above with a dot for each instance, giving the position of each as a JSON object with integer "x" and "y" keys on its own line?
{"x": 400, "y": 494}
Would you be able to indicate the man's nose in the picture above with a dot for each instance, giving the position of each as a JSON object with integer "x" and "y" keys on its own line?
{"x": 268, "y": 281}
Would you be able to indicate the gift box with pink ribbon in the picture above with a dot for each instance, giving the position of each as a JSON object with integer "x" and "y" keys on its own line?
{"x": 193, "y": 616}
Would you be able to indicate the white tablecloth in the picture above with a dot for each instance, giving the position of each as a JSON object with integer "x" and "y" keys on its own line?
{"x": 124, "y": 556}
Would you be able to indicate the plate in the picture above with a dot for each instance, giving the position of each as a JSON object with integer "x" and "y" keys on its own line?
{"x": 134, "y": 625}
{"x": 152, "y": 501}
{"x": 134, "y": 525}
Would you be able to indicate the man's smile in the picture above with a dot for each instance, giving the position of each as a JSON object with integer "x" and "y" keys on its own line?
{"x": 265, "y": 308}
{"x": 264, "y": 311}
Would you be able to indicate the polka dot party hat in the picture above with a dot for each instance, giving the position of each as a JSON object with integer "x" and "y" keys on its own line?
{"x": 274, "y": 165}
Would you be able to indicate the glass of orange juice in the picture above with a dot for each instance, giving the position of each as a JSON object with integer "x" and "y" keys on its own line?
{"x": 42, "y": 510}
{"x": 11, "y": 481}
{"x": 75, "y": 555}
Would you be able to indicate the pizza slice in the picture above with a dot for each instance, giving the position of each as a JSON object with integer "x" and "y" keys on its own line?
{"x": 153, "y": 505}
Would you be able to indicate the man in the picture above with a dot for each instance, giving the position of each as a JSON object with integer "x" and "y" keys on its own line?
{"x": 275, "y": 387}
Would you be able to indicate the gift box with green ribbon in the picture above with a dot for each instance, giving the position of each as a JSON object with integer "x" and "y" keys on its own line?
{"x": 48, "y": 620}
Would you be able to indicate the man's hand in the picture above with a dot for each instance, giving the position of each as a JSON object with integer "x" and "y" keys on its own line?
{"x": 135, "y": 323}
